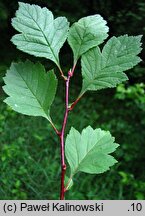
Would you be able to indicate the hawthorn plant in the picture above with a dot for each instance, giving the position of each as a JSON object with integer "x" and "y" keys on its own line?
{"x": 31, "y": 89}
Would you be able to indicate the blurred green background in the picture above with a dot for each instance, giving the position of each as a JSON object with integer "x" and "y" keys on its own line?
{"x": 29, "y": 149}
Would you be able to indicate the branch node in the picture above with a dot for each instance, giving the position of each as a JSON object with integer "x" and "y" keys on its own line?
{"x": 64, "y": 77}
{"x": 70, "y": 74}
{"x": 64, "y": 167}
{"x": 59, "y": 133}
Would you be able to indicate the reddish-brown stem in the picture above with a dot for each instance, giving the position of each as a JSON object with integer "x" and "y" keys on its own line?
{"x": 73, "y": 69}
{"x": 63, "y": 165}
{"x": 55, "y": 129}
{"x": 62, "y": 75}
{"x": 74, "y": 103}
{"x": 62, "y": 132}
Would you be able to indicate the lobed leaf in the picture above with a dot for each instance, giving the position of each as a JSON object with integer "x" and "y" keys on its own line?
{"x": 90, "y": 151}
{"x": 30, "y": 89}
{"x": 40, "y": 34}
{"x": 88, "y": 32}
{"x": 105, "y": 69}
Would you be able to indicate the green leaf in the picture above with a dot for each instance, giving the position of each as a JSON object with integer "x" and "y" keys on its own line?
{"x": 31, "y": 90}
{"x": 88, "y": 32}
{"x": 40, "y": 34}
{"x": 89, "y": 151}
{"x": 102, "y": 70}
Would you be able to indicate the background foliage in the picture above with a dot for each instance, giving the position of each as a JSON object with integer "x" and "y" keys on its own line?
{"x": 29, "y": 150}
